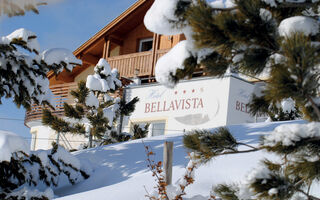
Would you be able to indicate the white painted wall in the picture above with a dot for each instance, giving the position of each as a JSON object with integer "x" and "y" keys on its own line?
{"x": 193, "y": 104}
{"x": 43, "y": 136}
{"x": 239, "y": 96}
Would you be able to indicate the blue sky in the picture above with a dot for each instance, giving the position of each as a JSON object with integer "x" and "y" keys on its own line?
{"x": 66, "y": 24}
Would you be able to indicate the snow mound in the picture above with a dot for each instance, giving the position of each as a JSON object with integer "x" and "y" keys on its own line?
{"x": 288, "y": 105}
{"x": 222, "y": 4}
{"x": 26, "y": 36}
{"x": 60, "y": 55}
{"x": 158, "y": 16}
{"x": 170, "y": 62}
{"x": 104, "y": 65}
{"x": 288, "y": 134}
{"x": 10, "y": 143}
{"x": 92, "y": 100}
{"x": 98, "y": 82}
{"x": 305, "y": 25}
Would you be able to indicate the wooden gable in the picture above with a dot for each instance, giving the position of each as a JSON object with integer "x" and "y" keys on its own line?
{"x": 119, "y": 42}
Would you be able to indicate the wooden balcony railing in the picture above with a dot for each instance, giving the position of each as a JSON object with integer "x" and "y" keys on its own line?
{"x": 61, "y": 94}
{"x": 126, "y": 65}
{"x": 142, "y": 61}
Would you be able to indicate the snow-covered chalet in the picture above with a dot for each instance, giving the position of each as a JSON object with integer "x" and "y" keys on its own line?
{"x": 202, "y": 102}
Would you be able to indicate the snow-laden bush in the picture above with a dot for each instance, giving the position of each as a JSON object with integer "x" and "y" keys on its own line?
{"x": 28, "y": 175}
{"x": 97, "y": 112}
{"x": 23, "y": 68}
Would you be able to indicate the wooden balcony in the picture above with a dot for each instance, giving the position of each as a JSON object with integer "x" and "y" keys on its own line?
{"x": 61, "y": 94}
{"x": 142, "y": 61}
{"x": 126, "y": 65}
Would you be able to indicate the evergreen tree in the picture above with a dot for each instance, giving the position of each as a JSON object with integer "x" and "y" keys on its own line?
{"x": 25, "y": 176}
{"x": 23, "y": 68}
{"x": 140, "y": 132}
{"x": 253, "y": 37}
{"x": 95, "y": 113}
{"x": 263, "y": 107}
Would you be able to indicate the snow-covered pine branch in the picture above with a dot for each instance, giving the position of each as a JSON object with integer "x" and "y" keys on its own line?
{"x": 23, "y": 68}
{"x": 275, "y": 39}
{"x": 31, "y": 175}
{"x": 97, "y": 109}
{"x": 19, "y": 7}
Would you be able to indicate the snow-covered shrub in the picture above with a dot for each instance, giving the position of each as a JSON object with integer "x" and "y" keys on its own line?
{"x": 31, "y": 175}
{"x": 97, "y": 110}
{"x": 140, "y": 131}
{"x": 23, "y": 68}
{"x": 296, "y": 169}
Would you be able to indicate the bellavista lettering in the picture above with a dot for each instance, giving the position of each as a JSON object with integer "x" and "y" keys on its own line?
{"x": 178, "y": 104}
{"x": 242, "y": 107}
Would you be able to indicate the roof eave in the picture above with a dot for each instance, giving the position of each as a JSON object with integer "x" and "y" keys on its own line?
{"x": 104, "y": 30}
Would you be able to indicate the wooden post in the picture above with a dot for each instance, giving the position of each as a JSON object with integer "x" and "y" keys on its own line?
{"x": 106, "y": 48}
{"x": 167, "y": 161}
{"x": 155, "y": 47}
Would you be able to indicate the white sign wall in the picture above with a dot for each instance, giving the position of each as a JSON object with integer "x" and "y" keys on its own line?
{"x": 193, "y": 104}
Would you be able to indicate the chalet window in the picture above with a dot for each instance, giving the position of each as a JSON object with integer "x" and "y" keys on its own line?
{"x": 158, "y": 128}
{"x": 145, "y": 44}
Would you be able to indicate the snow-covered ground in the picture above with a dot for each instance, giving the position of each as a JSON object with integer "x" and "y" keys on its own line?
{"x": 121, "y": 173}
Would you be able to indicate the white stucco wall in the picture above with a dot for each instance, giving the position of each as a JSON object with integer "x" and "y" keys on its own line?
{"x": 43, "y": 136}
{"x": 193, "y": 104}
{"x": 239, "y": 96}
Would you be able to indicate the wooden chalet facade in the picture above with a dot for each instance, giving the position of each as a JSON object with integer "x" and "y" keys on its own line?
{"x": 125, "y": 43}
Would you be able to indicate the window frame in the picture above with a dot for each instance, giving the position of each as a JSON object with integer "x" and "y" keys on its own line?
{"x": 141, "y": 41}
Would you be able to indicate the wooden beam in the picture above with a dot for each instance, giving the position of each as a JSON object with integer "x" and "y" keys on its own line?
{"x": 115, "y": 39}
{"x": 155, "y": 47}
{"x": 114, "y": 23}
{"x": 106, "y": 48}
{"x": 90, "y": 59}
{"x": 92, "y": 46}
